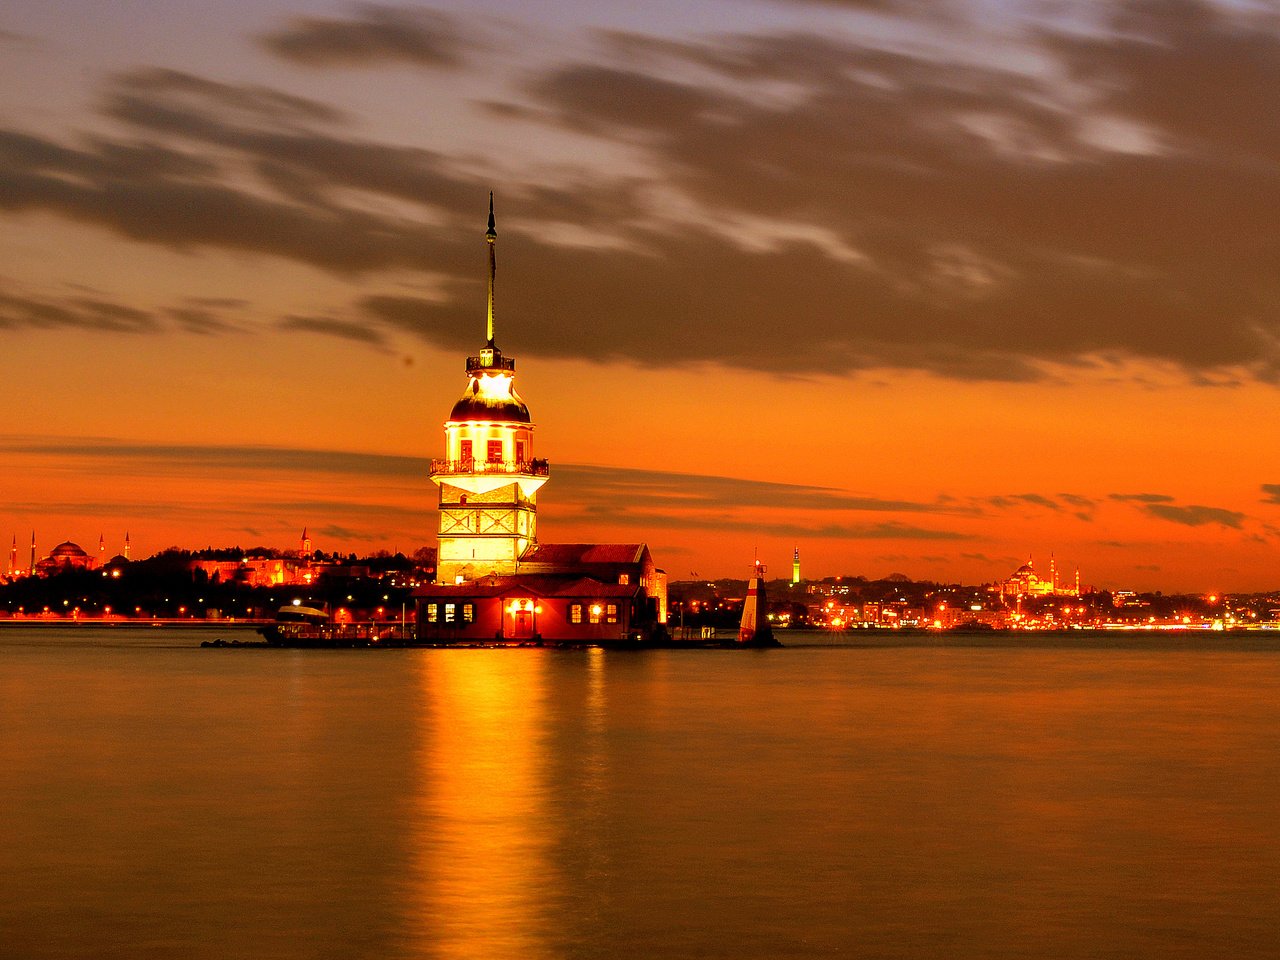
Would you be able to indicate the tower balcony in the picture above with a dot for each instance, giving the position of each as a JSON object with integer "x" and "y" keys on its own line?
{"x": 489, "y": 360}
{"x": 529, "y": 468}
{"x": 481, "y": 476}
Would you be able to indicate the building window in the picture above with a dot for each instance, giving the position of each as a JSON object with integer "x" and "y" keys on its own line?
{"x": 575, "y": 613}
{"x": 596, "y": 610}
{"x": 433, "y": 613}
{"x": 611, "y": 613}
{"x": 450, "y": 612}
{"x": 468, "y": 613}
{"x": 624, "y": 579}
{"x": 464, "y": 451}
{"x": 495, "y": 451}
{"x": 520, "y": 451}
{"x": 462, "y": 500}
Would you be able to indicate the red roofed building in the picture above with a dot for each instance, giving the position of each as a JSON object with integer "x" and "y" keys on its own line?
{"x": 494, "y": 580}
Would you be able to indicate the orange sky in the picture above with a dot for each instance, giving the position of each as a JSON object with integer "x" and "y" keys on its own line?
{"x": 918, "y": 291}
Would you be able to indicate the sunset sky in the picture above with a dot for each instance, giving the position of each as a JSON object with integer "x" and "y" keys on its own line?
{"x": 919, "y": 286}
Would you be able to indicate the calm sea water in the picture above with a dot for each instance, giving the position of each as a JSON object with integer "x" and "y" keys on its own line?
{"x": 901, "y": 798}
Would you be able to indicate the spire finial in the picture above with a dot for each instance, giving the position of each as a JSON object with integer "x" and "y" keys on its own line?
{"x": 491, "y": 236}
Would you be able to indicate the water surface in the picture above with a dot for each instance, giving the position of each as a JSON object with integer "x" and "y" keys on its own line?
{"x": 863, "y": 796}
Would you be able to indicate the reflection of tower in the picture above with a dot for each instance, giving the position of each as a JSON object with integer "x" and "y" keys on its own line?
{"x": 488, "y": 478}
{"x": 795, "y": 567}
{"x": 484, "y": 874}
{"x": 126, "y": 544}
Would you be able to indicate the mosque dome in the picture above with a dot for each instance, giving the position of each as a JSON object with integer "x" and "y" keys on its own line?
{"x": 67, "y": 550}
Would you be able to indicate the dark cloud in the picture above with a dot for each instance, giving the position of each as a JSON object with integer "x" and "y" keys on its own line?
{"x": 157, "y": 192}
{"x": 75, "y": 312}
{"x": 90, "y": 311}
{"x": 333, "y": 531}
{"x": 1272, "y": 490}
{"x": 1195, "y": 515}
{"x": 345, "y": 329}
{"x": 829, "y": 206}
{"x": 1034, "y": 499}
{"x": 1141, "y": 497}
{"x": 206, "y": 317}
{"x": 183, "y": 98}
{"x": 1000, "y": 228}
{"x": 373, "y": 36}
{"x": 1196, "y": 71}
{"x": 1076, "y": 500}
{"x": 616, "y": 489}
{"x": 239, "y": 458}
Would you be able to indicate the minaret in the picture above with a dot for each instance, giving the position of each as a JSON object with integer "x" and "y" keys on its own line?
{"x": 1053, "y": 573}
{"x": 33, "y": 553}
{"x": 126, "y": 544}
{"x": 795, "y": 566}
{"x": 102, "y": 549}
{"x": 489, "y": 478}
{"x": 13, "y": 556}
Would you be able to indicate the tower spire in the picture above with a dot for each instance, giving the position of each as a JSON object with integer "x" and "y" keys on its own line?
{"x": 491, "y": 237}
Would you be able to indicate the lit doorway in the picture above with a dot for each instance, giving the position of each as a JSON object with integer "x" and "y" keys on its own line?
{"x": 519, "y": 620}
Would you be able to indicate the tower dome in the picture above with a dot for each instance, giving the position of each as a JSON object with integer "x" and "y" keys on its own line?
{"x": 491, "y": 393}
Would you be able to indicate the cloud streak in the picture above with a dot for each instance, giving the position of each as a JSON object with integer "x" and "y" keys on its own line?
{"x": 375, "y": 35}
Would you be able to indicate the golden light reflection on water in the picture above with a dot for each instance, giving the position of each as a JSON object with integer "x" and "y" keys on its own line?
{"x": 483, "y": 871}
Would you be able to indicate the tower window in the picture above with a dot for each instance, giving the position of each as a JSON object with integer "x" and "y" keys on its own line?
{"x": 464, "y": 451}
{"x": 495, "y": 451}
{"x": 520, "y": 451}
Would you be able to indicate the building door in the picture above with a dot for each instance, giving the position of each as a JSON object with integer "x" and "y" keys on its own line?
{"x": 518, "y": 623}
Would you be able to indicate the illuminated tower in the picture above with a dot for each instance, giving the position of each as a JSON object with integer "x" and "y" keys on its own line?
{"x": 304, "y": 550}
{"x": 13, "y": 556}
{"x": 488, "y": 478}
{"x": 126, "y": 544}
{"x": 32, "y": 571}
{"x": 102, "y": 549}
{"x": 795, "y": 567}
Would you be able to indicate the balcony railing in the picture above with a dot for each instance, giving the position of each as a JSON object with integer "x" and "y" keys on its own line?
{"x": 528, "y": 468}
{"x": 494, "y": 361}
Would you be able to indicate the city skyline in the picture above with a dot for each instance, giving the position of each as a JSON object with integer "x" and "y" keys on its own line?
{"x": 920, "y": 288}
